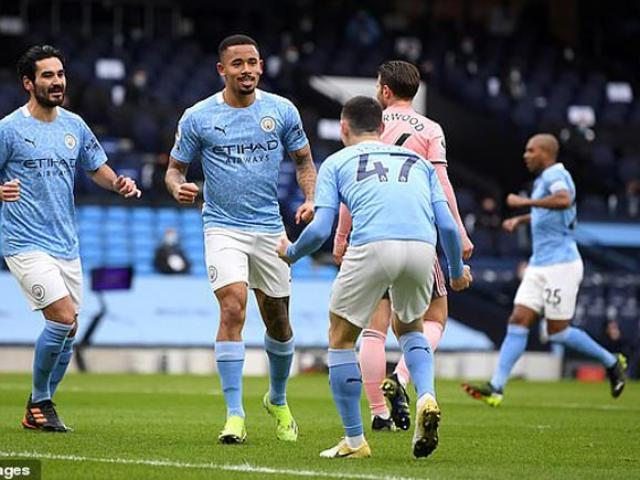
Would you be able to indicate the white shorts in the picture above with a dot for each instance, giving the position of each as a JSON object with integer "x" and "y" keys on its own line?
{"x": 405, "y": 267}
{"x": 45, "y": 279}
{"x": 234, "y": 256}
{"x": 551, "y": 291}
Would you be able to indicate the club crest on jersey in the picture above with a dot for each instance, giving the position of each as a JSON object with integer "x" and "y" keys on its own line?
{"x": 70, "y": 141}
{"x": 268, "y": 124}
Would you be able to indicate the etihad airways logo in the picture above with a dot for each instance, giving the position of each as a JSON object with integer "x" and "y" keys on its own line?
{"x": 251, "y": 148}
{"x": 50, "y": 167}
{"x": 46, "y": 163}
{"x": 246, "y": 153}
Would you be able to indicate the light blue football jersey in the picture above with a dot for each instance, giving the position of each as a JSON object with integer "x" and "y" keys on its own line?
{"x": 389, "y": 191}
{"x": 241, "y": 150}
{"x": 552, "y": 231}
{"x": 43, "y": 156}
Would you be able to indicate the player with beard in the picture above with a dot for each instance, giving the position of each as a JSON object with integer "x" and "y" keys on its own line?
{"x": 551, "y": 281}
{"x": 40, "y": 145}
{"x": 397, "y": 85}
{"x": 241, "y": 135}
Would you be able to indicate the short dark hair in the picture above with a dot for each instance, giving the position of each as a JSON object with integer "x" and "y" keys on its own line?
{"x": 238, "y": 39}
{"x": 363, "y": 114}
{"x": 403, "y": 78}
{"x": 27, "y": 62}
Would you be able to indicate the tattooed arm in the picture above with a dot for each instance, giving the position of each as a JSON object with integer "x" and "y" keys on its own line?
{"x": 306, "y": 177}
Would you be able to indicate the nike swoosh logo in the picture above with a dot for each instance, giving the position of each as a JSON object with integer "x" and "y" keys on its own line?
{"x": 32, "y": 142}
{"x": 343, "y": 455}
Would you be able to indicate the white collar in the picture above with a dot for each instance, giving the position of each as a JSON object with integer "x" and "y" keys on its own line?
{"x": 220, "y": 98}
{"x": 26, "y": 113}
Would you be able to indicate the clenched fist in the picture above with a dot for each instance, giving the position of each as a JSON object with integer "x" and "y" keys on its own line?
{"x": 186, "y": 193}
{"x": 10, "y": 191}
{"x": 282, "y": 249}
{"x": 126, "y": 187}
{"x": 304, "y": 212}
{"x": 463, "y": 282}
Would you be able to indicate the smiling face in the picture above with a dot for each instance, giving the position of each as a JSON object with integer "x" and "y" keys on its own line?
{"x": 241, "y": 68}
{"x": 50, "y": 83}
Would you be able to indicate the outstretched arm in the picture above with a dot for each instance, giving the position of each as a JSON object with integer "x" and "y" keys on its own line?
{"x": 510, "y": 224}
{"x": 560, "y": 200}
{"x": 306, "y": 176}
{"x": 311, "y": 238}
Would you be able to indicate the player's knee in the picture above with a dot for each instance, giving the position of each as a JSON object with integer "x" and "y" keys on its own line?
{"x": 232, "y": 312}
{"x": 336, "y": 337}
{"x": 338, "y": 340}
{"x": 60, "y": 315}
{"x": 402, "y": 328}
{"x": 555, "y": 326}
{"x": 276, "y": 317}
{"x": 280, "y": 331}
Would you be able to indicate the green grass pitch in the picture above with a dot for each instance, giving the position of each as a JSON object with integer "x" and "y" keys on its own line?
{"x": 165, "y": 427}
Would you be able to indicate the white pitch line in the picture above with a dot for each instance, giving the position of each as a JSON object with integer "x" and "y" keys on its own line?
{"x": 247, "y": 468}
{"x": 215, "y": 392}
{"x": 144, "y": 391}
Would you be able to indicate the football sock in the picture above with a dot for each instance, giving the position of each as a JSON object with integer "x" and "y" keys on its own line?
{"x": 346, "y": 386}
{"x": 47, "y": 351}
{"x": 356, "y": 441}
{"x": 61, "y": 367}
{"x": 433, "y": 331}
{"x": 280, "y": 357}
{"x": 512, "y": 348}
{"x": 373, "y": 365}
{"x": 419, "y": 358}
{"x": 581, "y": 342}
{"x": 230, "y": 360}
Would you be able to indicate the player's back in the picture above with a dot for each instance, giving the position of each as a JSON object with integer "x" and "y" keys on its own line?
{"x": 389, "y": 191}
{"x": 404, "y": 126}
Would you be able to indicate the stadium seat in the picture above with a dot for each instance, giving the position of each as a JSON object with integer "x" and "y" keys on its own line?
{"x": 191, "y": 216}
{"x": 117, "y": 214}
{"x": 118, "y": 257}
{"x": 90, "y": 212}
{"x": 143, "y": 267}
{"x": 143, "y": 214}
